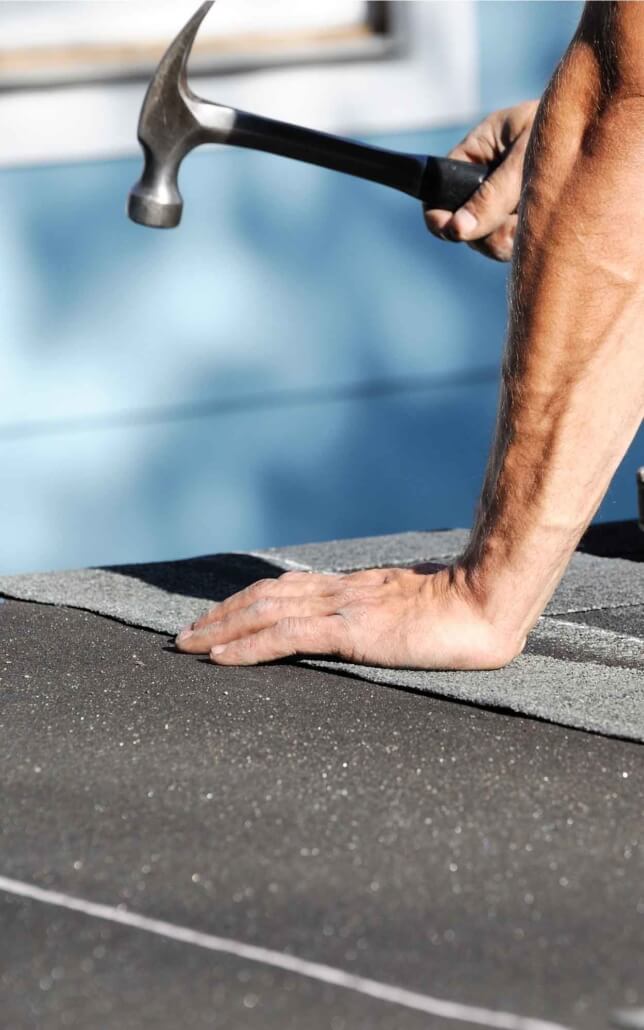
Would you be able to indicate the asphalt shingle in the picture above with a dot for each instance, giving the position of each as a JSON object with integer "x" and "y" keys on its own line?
{"x": 582, "y": 667}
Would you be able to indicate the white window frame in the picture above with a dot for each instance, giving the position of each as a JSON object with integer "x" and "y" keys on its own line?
{"x": 428, "y": 78}
{"x": 44, "y": 43}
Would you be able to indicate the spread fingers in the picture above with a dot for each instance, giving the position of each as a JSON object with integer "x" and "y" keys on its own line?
{"x": 326, "y": 635}
{"x": 290, "y": 584}
{"x": 239, "y": 623}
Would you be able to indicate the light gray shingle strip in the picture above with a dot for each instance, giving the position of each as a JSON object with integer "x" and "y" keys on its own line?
{"x": 371, "y": 552}
{"x": 570, "y": 675}
{"x": 590, "y": 583}
{"x": 627, "y": 619}
{"x": 105, "y": 592}
{"x": 559, "y": 638}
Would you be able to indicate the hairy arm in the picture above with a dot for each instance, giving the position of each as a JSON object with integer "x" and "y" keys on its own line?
{"x": 572, "y": 396}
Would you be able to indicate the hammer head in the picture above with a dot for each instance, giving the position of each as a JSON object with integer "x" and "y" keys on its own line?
{"x": 168, "y": 129}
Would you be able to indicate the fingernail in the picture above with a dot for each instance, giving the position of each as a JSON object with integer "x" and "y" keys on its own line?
{"x": 219, "y": 649}
{"x": 464, "y": 222}
{"x": 185, "y": 633}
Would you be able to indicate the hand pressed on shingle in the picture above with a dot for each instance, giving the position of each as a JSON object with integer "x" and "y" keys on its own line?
{"x": 571, "y": 402}
{"x": 398, "y": 618}
{"x": 488, "y": 221}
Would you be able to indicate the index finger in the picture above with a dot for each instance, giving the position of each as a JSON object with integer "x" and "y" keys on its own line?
{"x": 325, "y": 635}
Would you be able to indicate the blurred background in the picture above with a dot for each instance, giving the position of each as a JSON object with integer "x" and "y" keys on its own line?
{"x": 298, "y": 361}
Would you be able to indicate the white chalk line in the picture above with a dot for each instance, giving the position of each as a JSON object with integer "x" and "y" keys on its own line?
{"x": 589, "y": 632}
{"x": 280, "y": 563}
{"x": 266, "y": 956}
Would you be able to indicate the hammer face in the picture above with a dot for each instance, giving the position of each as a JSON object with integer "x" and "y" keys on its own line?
{"x": 155, "y": 200}
{"x": 145, "y": 210}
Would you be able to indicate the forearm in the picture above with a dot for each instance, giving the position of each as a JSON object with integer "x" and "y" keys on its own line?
{"x": 572, "y": 395}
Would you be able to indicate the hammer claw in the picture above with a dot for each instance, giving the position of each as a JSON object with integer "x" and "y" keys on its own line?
{"x": 168, "y": 130}
{"x": 174, "y": 61}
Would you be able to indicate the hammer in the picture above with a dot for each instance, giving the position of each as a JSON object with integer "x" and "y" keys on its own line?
{"x": 174, "y": 121}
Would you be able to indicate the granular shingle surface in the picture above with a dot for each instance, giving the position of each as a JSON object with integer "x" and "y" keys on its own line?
{"x": 476, "y": 856}
{"x": 583, "y": 666}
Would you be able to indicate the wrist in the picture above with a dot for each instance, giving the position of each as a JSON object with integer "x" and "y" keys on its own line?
{"x": 512, "y": 578}
{"x": 485, "y": 612}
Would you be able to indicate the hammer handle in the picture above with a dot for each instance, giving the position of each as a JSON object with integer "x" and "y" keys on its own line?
{"x": 448, "y": 184}
{"x": 439, "y": 182}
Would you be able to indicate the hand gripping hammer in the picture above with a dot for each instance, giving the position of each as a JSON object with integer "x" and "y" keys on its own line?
{"x": 174, "y": 121}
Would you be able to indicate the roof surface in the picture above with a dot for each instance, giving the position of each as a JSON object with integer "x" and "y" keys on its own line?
{"x": 583, "y": 665}
{"x": 483, "y": 860}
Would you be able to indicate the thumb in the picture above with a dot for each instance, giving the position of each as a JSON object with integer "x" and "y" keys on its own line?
{"x": 496, "y": 198}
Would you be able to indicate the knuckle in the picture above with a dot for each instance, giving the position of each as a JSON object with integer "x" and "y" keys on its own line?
{"x": 460, "y": 230}
{"x": 340, "y": 636}
{"x": 487, "y": 191}
{"x": 289, "y": 627}
{"x": 261, "y": 587}
{"x": 356, "y": 612}
{"x": 479, "y": 137}
{"x": 394, "y": 575}
{"x": 262, "y": 606}
{"x": 479, "y": 142}
{"x": 293, "y": 575}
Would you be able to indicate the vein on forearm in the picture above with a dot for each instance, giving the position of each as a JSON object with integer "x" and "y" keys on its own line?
{"x": 572, "y": 393}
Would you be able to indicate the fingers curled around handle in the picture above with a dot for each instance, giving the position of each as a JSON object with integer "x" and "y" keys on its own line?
{"x": 478, "y": 146}
{"x": 489, "y": 208}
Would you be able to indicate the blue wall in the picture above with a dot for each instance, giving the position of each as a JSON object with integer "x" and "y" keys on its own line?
{"x": 299, "y": 361}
